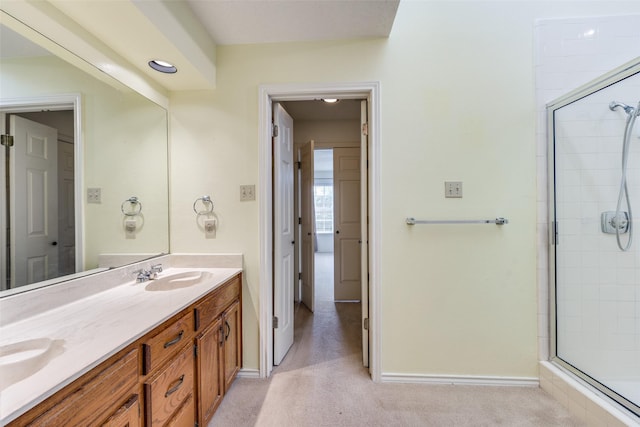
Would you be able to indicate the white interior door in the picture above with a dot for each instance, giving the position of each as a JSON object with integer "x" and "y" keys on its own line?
{"x": 346, "y": 206}
{"x": 364, "y": 230}
{"x": 34, "y": 190}
{"x": 307, "y": 222}
{"x": 284, "y": 234}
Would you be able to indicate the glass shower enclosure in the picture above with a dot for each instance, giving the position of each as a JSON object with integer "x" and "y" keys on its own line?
{"x": 594, "y": 190}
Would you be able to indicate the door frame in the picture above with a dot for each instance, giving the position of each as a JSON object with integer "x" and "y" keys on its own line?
{"x": 305, "y": 92}
{"x": 51, "y": 103}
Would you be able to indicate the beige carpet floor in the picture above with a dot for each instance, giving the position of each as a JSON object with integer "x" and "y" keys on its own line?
{"x": 322, "y": 382}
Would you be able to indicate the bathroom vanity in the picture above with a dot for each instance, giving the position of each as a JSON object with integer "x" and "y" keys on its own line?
{"x": 158, "y": 353}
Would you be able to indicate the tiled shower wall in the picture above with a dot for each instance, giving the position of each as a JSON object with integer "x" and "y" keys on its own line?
{"x": 568, "y": 54}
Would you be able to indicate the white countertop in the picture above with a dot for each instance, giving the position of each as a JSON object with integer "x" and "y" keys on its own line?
{"x": 91, "y": 330}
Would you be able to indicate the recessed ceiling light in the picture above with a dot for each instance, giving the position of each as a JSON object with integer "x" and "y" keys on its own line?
{"x": 330, "y": 100}
{"x": 163, "y": 66}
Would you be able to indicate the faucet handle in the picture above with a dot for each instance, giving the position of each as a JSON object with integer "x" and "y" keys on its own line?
{"x": 157, "y": 268}
{"x": 142, "y": 275}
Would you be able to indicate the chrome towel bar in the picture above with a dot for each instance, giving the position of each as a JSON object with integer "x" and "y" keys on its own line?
{"x": 497, "y": 221}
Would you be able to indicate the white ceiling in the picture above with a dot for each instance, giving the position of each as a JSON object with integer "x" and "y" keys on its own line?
{"x": 187, "y": 32}
{"x": 274, "y": 21}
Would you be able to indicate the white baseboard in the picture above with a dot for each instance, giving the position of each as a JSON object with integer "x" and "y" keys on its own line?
{"x": 249, "y": 373}
{"x": 460, "y": 380}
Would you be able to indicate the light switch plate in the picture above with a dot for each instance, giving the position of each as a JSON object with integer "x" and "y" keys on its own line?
{"x": 453, "y": 189}
{"x": 94, "y": 195}
{"x": 247, "y": 193}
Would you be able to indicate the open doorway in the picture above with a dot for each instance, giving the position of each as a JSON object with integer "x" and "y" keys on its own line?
{"x": 326, "y": 220}
{"x": 270, "y": 321}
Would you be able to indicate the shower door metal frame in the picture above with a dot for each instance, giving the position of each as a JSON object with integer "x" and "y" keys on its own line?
{"x": 608, "y": 79}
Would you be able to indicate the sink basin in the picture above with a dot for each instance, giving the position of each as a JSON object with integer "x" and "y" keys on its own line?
{"x": 178, "y": 281}
{"x": 22, "y": 359}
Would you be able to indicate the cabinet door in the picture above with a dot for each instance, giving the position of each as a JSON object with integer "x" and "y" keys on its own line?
{"x": 209, "y": 363}
{"x": 127, "y": 416}
{"x": 232, "y": 327}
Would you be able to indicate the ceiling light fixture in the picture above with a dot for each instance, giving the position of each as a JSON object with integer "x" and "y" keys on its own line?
{"x": 330, "y": 100}
{"x": 163, "y": 66}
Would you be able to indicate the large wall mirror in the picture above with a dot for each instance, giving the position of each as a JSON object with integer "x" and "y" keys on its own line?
{"x": 84, "y": 173}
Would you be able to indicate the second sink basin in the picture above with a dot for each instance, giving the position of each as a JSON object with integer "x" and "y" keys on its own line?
{"x": 22, "y": 359}
{"x": 178, "y": 281}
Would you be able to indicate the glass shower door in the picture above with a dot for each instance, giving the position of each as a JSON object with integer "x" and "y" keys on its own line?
{"x": 596, "y": 292}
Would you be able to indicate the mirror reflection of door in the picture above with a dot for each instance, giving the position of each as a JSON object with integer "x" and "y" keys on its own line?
{"x": 40, "y": 198}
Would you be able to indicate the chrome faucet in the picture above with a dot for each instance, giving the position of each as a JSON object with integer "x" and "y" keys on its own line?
{"x": 142, "y": 275}
{"x": 155, "y": 269}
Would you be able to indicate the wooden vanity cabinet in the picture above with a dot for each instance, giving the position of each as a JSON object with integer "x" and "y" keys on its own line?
{"x": 172, "y": 376}
{"x": 219, "y": 346}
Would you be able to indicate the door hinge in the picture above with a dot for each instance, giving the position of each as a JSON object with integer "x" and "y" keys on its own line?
{"x": 274, "y": 131}
{"x": 299, "y": 220}
{"x": 275, "y": 322}
{"x": 365, "y": 129}
{"x": 195, "y": 350}
{"x": 300, "y": 275}
{"x": 6, "y": 140}
{"x": 365, "y": 324}
{"x": 554, "y": 232}
{"x": 299, "y": 165}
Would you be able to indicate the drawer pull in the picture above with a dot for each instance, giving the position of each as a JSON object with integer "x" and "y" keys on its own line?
{"x": 175, "y": 388}
{"x": 174, "y": 341}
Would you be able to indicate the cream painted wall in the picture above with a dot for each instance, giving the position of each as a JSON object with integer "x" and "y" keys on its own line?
{"x": 125, "y": 152}
{"x": 457, "y": 91}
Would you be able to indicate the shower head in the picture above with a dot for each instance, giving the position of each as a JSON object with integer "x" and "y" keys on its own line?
{"x": 627, "y": 108}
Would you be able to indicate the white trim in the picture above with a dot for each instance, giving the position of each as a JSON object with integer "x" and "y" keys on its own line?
{"x": 461, "y": 380}
{"x": 59, "y": 102}
{"x": 301, "y": 92}
{"x": 249, "y": 373}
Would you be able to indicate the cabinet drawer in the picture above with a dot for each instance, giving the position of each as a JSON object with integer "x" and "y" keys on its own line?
{"x": 167, "y": 342}
{"x": 185, "y": 415}
{"x": 95, "y": 400}
{"x": 169, "y": 389}
{"x": 217, "y": 302}
{"x": 126, "y": 416}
